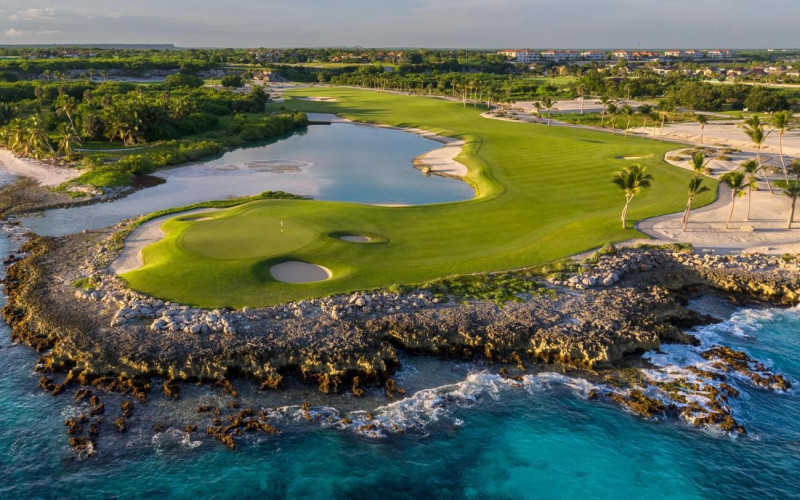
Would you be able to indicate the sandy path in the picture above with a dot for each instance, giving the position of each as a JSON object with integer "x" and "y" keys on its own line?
{"x": 150, "y": 232}
{"x": 47, "y": 175}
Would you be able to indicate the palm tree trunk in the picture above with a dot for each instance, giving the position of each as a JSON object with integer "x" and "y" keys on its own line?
{"x": 627, "y": 125}
{"x": 783, "y": 162}
{"x": 581, "y": 104}
{"x": 730, "y": 215}
{"x": 761, "y": 167}
{"x": 791, "y": 214}
{"x": 702, "y": 130}
{"x": 686, "y": 214}
{"x": 548, "y": 117}
{"x": 749, "y": 200}
{"x": 661, "y": 134}
{"x": 625, "y": 211}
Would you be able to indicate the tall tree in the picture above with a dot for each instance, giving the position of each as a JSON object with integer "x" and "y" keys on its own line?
{"x": 612, "y": 111}
{"x": 628, "y": 110}
{"x": 67, "y": 139}
{"x": 698, "y": 164}
{"x": 702, "y": 120}
{"x": 781, "y": 121}
{"x": 632, "y": 180}
{"x": 547, "y": 103}
{"x": 755, "y": 131}
{"x": 695, "y": 187}
{"x": 737, "y": 181}
{"x": 792, "y": 190}
{"x": 750, "y": 169}
{"x": 665, "y": 107}
{"x": 604, "y": 100}
{"x": 646, "y": 111}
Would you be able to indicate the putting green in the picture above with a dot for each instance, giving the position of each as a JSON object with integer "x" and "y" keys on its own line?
{"x": 251, "y": 235}
{"x": 542, "y": 193}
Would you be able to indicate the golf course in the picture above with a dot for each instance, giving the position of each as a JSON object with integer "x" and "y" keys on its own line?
{"x": 541, "y": 194}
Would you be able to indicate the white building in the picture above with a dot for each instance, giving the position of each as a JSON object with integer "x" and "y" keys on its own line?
{"x": 593, "y": 55}
{"x": 521, "y": 56}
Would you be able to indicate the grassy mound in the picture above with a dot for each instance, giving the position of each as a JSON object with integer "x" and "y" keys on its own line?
{"x": 542, "y": 193}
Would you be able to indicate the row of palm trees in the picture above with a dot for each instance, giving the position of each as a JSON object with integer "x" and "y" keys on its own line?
{"x": 29, "y": 137}
{"x": 742, "y": 181}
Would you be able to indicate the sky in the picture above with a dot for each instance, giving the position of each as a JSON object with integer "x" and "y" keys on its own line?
{"x": 406, "y": 23}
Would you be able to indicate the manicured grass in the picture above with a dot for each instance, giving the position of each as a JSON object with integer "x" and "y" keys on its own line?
{"x": 543, "y": 193}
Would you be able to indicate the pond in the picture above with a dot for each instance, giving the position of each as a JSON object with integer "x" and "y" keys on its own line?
{"x": 336, "y": 162}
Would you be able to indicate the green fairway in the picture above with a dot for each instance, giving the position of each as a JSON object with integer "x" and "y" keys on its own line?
{"x": 542, "y": 193}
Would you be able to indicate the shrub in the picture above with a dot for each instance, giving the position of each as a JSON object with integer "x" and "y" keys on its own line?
{"x": 136, "y": 165}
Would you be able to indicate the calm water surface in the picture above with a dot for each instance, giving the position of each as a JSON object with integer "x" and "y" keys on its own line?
{"x": 340, "y": 162}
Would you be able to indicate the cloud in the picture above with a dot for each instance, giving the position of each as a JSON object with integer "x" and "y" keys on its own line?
{"x": 15, "y": 32}
{"x": 33, "y": 15}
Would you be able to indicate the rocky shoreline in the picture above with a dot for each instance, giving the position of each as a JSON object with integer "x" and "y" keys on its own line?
{"x": 603, "y": 312}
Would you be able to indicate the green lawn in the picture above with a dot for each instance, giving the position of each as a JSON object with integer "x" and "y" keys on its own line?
{"x": 543, "y": 193}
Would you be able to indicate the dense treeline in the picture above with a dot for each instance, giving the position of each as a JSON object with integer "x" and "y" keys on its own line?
{"x": 178, "y": 120}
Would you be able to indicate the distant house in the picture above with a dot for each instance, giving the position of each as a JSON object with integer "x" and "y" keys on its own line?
{"x": 559, "y": 55}
{"x": 522, "y": 56}
{"x": 693, "y": 54}
{"x": 673, "y": 54}
{"x": 622, "y": 54}
{"x": 721, "y": 54}
{"x": 593, "y": 55}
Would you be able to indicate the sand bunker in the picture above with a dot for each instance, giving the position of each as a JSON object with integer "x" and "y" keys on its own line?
{"x": 196, "y": 219}
{"x": 355, "y": 238}
{"x": 630, "y": 157}
{"x": 299, "y": 272}
{"x": 318, "y": 99}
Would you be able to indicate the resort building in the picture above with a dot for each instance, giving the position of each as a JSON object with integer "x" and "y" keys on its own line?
{"x": 721, "y": 54}
{"x": 523, "y": 56}
{"x": 593, "y": 55}
{"x": 621, "y": 54}
{"x": 559, "y": 55}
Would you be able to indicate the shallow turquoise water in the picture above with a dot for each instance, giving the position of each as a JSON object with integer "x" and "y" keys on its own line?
{"x": 480, "y": 439}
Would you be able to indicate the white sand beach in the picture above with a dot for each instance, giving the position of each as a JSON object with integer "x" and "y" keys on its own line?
{"x": 45, "y": 174}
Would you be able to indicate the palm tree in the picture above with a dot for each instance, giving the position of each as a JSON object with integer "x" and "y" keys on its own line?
{"x": 699, "y": 164}
{"x": 67, "y": 139}
{"x": 665, "y": 107}
{"x": 695, "y": 187}
{"x": 750, "y": 168}
{"x": 582, "y": 93}
{"x": 755, "y": 131}
{"x": 645, "y": 110}
{"x": 604, "y": 100}
{"x": 547, "y": 103}
{"x": 632, "y": 180}
{"x": 612, "y": 113}
{"x": 65, "y": 105}
{"x": 628, "y": 110}
{"x": 780, "y": 121}
{"x": 702, "y": 120}
{"x": 792, "y": 190}
{"x": 737, "y": 181}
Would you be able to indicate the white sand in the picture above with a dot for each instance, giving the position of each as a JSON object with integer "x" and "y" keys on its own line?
{"x": 728, "y": 135}
{"x": 318, "y": 99}
{"x": 590, "y": 105}
{"x": 150, "y": 232}
{"x": 355, "y": 238}
{"x": 47, "y": 175}
{"x": 765, "y": 232}
{"x": 299, "y": 272}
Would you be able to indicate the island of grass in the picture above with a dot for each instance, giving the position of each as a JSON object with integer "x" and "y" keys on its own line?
{"x": 542, "y": 193}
